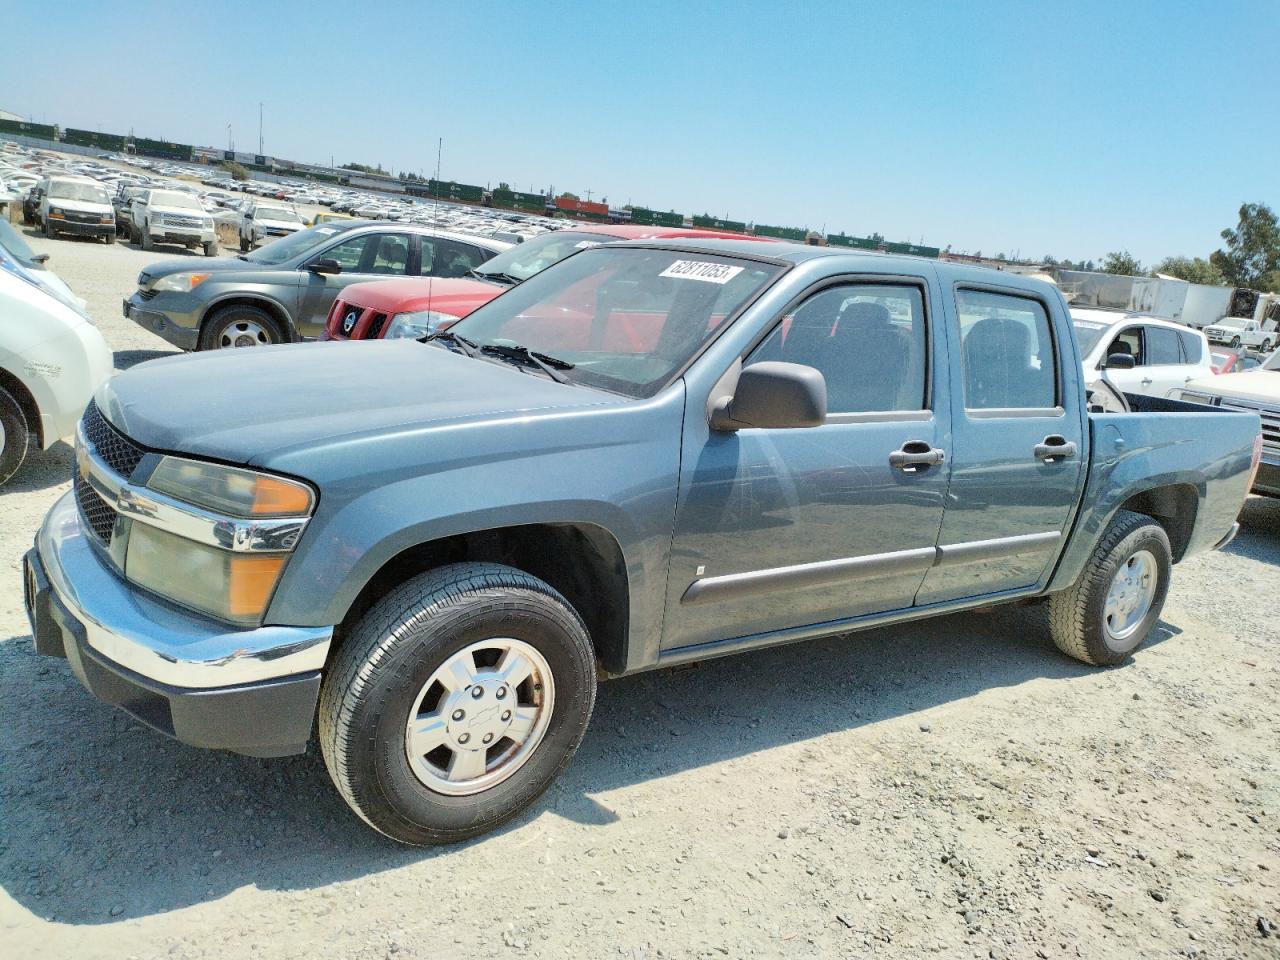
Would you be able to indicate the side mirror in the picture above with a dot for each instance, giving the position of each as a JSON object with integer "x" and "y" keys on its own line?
{"x": 40, "y": 258}
{"x": 1120, "y": 361}
{"x": 773, "y": 395}
{"x": 325, "y": 265}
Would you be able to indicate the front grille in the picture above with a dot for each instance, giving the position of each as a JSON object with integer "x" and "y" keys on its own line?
{"x": 83, "y": 217}
{"x": 95, "y": 511}
{"x": 375, "y": 328}
{"x": 169, "y": 220}
{"x": 1270, "y": 421}
{"x": 114, "y": 449}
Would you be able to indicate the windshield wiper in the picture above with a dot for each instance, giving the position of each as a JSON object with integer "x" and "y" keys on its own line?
{"x": 549, "y": 365}
{"x": 469, "y": 347}
{"x": 486, "y": 275}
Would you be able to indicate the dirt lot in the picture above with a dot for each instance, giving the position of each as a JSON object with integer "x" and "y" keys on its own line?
{"x": 954, "y": 788}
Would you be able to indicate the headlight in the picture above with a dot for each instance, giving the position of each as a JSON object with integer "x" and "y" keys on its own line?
{"x": 180, "y": 282}
{"x": 57, "y": 213}
{"x": 418, "y": 324}
{"x": 254, "y": 518}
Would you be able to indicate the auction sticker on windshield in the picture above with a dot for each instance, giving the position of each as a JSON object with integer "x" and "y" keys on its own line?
{"x": 701, "y": 270}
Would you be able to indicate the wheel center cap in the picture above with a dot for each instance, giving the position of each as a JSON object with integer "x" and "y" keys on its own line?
{"x": 480, "y": 715}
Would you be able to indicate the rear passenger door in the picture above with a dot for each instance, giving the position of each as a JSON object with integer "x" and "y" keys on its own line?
{"x": 444, "y": 257}
{"x": 1018, "y": 451}
{"x": 777, "y": 529}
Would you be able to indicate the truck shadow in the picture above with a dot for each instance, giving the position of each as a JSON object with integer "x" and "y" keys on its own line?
{"x": 1259, "y": 537}
{"x": 105, "y": 819}
{"x": 42, "y": 470}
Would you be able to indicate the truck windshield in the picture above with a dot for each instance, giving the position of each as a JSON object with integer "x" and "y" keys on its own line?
{"x": 276, "y": 213}
{"x": 533, "y": 256}
{"x": 84, "y": 192}
{"x": 627, "y": 318}
{"x": 170, "y": 198}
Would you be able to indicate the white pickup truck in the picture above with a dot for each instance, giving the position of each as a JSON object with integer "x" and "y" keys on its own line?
{"x": 168, "y": 216}
{"x": 1241, "y": 332}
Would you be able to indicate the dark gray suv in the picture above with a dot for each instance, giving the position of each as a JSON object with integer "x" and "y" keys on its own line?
{"x": 282, "y": 292}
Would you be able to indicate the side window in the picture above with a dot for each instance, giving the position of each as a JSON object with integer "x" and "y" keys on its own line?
{"x": 1192, "y": 346}
{"x": 449, "y": 258}
{"x": 1129, "y": 341}
{"x": 391, "y": 256}
{"x": 1162, "y": 346}
{"x": 867, "y": 340}
{"x": 348, "y": 253}
{"x": 1008, "y": 351}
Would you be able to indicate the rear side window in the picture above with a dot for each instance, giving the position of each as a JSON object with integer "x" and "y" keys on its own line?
{"x": 1008, "y": 351}
{"x": 1162, "y": 346}
{"x": 867, "y": 340}
{"x": 1192, "y": 346}
{"x": 442, "y": 257}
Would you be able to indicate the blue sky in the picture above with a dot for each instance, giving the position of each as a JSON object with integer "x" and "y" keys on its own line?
{"x": 1062, "y": 128}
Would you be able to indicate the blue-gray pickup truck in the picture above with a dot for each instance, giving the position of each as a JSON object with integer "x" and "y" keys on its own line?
{"x": 650, "y": 453}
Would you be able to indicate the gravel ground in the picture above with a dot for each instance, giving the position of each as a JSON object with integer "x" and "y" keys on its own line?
{"x": 954, "y": 788}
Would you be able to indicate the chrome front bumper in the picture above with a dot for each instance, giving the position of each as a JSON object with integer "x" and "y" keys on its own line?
{"x": 159, "y": 640}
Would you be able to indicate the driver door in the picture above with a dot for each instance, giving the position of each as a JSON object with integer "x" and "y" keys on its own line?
{"x": 370, "y": 256}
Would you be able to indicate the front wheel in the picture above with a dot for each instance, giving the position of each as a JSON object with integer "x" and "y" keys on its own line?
{"x": 1117, "y": 600}
{"x": 147, "y": 242}
{"x": 48, "y": 230}
{"x": 1266, "y": 347}
{"x": 244, "y": 244}
{"x": 456, "y": 701}
{"x": 1235, "y": 342}
{"x": 15, "y": 436}
{"x": 211, "y": 248}
{"x": 240, "y": 326}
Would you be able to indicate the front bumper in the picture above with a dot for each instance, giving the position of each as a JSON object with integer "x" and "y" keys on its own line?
{"x": 79, "y": 229}
{"x": 1268, "y": 479}
{"x": 187, "y": 236}
{"x": 180, "y": 327}
{"x": 192, "y": 678}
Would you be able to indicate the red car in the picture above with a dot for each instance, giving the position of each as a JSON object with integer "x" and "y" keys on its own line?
{"x": 416, "y": 306}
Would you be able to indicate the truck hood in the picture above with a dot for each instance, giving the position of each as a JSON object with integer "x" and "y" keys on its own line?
{"x": 243, "y": 406}
{"x": 1260, "y": 386}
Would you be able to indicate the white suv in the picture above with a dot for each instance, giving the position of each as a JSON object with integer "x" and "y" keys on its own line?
{"x": 263, "y": 222}
{"x": 169, "y": 216}
{"x": 79, "y": 206}
{"x": 1241, "y": 331}
{"x": 1166, "y": 355}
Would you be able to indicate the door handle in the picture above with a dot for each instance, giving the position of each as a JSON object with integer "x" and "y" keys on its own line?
{"x": 1145, "y": 381}
{"x": 914, "y": 455}
{"x": 1055, "y": 448}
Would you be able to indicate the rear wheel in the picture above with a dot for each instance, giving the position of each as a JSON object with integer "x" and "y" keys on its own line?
{"x": 1114, "y": 605}
{"x": 240, "y": 326}
{"x": 15, "y": 436}
{"x": 211, "y": 248}
{"x": 456, "y": 701}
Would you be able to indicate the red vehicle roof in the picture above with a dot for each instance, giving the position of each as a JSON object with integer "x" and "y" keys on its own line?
{"x": 378, "y": 300}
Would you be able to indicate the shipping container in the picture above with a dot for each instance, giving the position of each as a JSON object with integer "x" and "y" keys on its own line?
{"x": 708, "y": 222}
{"x": 656, "y": 218}
{"x": 40, "y": 131}
{"x": 574, "y": 205}
{"x": 780, "y": 233}
{"x": 91, "y": 138}
{"x": 162, "y": 148}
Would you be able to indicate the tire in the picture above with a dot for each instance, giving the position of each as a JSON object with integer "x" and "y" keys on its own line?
{"x": 134, "y": 236}
{"x": 211, "y": 248}
{"x": 1235, "y": 342}
{"x": 48, "y": 230}
{"x": 244, "y": 246}
{"x": 15, "y": 436}
{"x": 1078, "y": 619}
{"x": 1266, "y": 347}
{"x": 384, "y": 673}
{"x": 240, "y": 325}
{"x": 147, "y": 242}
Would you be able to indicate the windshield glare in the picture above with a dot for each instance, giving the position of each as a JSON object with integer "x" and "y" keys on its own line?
{"x": 85, "y": 192}
{"x": 534, "y": 256}
{"x": 179, "y": 200}
{"x": 12, "y": 241}
{"x": 294, "y": 245}
{"x": 1088, "y": 333}
{"x": 628, "y": 318}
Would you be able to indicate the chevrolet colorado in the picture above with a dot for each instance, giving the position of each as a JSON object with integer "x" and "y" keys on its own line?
{"x": 649, "y": 453}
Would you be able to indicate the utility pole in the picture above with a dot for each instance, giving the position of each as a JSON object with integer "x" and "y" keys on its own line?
{"x": 261, "y": 152}
{"x": 231, "y": 144}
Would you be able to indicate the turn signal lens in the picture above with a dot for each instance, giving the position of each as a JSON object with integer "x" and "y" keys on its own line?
{"x": 231, "y": 491}
{"x": 250, "y": 582}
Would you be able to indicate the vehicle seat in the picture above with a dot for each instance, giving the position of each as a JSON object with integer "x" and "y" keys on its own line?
{"x": 861, "y": 352}
{"x": 997, "y": 363}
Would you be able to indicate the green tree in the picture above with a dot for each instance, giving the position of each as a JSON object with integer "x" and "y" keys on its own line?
{"x": 1123, "y": 263}
{"x": 569, "y": 196}
{"x": 1195, "y": 269}
{"x": 236, "y": 170}
{"x": 1252, "y": 254}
